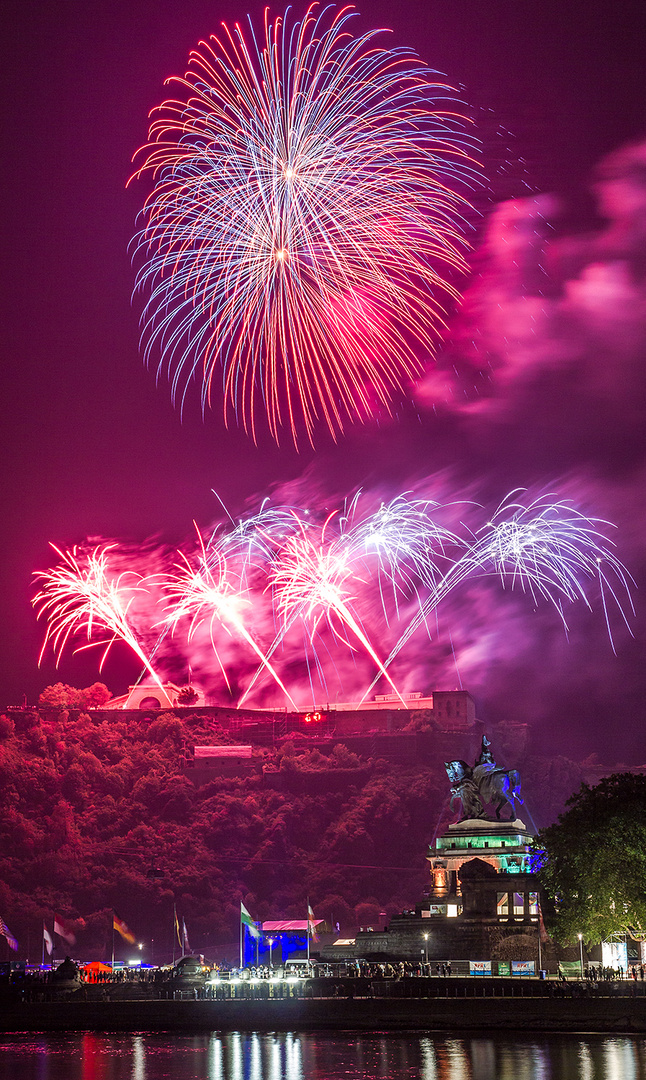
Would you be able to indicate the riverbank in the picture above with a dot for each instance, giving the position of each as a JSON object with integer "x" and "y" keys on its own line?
{"x": 622, "y": 1014}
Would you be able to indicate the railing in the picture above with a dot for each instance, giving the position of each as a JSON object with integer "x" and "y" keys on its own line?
{"x": 422, "y": 987}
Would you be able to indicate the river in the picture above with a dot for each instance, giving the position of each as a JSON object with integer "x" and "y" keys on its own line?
{"x": 342, "y": 1056}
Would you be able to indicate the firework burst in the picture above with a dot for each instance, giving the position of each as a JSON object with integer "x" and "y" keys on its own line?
{"x": 81, "y": 596}
{"x": 548, "y": 549}
{"x": 312, "y": 579}
{"x": 206, "y": 593}
{"x": 304, "y": 224}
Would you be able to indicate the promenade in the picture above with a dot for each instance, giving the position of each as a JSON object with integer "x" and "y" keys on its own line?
{"x": 368, "y": 1005}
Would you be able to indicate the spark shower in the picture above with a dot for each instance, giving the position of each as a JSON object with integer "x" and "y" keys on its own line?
{"x": 306, "y": 223}
{"x": 283, "y": 571}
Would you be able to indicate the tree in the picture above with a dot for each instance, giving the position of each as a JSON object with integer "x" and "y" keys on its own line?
{"x": 593, "y": 861}
{"x": 187, "y": 696}
{"x": 60, "y": 697}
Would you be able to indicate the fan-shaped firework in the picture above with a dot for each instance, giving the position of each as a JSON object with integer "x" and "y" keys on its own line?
{"x": 281, "y": 566}
{"x": 304, "y": 223}
{"x": 82, "y": 596}
{"x": 548, "y": 549}
{"x": 206, "y": 593}
{"x": 311, "y": 580}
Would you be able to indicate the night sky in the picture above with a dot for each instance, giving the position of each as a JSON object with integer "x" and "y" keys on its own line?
{"x": 92, "y": 447}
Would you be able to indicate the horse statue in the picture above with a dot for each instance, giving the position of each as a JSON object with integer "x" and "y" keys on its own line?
{"x": 464, "y": 788}
{"x": 484, "y": 784}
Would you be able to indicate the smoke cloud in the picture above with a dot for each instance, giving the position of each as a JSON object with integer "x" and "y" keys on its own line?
{"x": 540, "y": 384}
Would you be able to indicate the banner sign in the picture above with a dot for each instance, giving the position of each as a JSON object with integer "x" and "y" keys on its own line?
{"x": 503, "y": 967}
{"x": 522, "y": 967}
{"x": 480, "y": 967}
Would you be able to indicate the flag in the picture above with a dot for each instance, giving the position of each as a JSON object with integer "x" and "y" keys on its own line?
{"x": 185, "y": 936}
{"x": 179, "y": 936}
{"x": 6, "y": 932}
{"x": 246, "y": 920}
{"x": 311, "y": 929}
{"x": 47, "y": 938}
{"x": 121, "y": 928}
{"x": 64, "y": 929}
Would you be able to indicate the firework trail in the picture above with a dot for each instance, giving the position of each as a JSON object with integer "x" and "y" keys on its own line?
{"x": 399, "y": 544}
{"x": 311, "y": 581}
{"x": 304, "y": 222}
{"x": 548, "y": 549}
{"x": 81, "y": 596}
{"x": 207, "y": 593}
{"x": 255, "y": 539}
{"x": 294, "y": 568}
{"x": 407, "y": 543}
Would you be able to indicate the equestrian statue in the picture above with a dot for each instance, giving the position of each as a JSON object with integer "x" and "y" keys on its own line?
{"x": 483, "y": 785}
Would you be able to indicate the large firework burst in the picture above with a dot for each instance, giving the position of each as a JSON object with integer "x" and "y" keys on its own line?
{"x": 304, "y": 223}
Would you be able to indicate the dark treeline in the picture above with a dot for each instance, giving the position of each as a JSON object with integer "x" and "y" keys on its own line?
{"x": 101, "y": 814}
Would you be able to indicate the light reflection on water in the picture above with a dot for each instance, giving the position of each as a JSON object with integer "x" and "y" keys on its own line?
{"x": 344, "y": 1056}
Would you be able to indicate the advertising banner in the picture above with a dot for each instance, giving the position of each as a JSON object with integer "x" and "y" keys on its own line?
{"x": 480, "y": 967}
{"x": 503, "y": 967}
{"x": 522, "y": 967}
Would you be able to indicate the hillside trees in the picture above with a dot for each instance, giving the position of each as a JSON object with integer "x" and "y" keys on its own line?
{"x": 99, "y": 814}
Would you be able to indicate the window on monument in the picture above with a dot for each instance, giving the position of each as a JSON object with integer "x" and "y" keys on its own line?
{"x": 502, "y": 905}
{"x": 533, "y": 903}
{"x": 519, "y": 905}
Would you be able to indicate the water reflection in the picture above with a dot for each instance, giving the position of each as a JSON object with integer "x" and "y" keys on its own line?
{"x": 320, "y": 1057}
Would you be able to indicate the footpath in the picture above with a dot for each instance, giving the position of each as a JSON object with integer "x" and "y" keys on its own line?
{"x": 412, "y": 1005}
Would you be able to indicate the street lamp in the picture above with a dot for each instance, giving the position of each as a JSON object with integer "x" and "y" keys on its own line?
{"x": 426, "y": 948}
{"x": 271, "y": 949}
{"x": 580, "y": 937}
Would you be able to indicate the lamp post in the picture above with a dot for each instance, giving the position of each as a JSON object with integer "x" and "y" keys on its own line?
{"x": 580, "y": 937}
{"x": 271, "y": 950}
{"x": 426, "y": 948}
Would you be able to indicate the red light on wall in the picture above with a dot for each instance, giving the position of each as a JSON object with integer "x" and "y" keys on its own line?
{"x": 313, "y": 717}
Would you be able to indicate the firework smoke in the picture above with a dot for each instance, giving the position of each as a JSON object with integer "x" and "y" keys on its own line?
{"x": 329, "y": 577}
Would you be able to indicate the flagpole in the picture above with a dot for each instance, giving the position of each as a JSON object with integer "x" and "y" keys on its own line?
{"x": 241, "y": 933}
{"x": 42, "y": 962}
{"x": 174, "y": 929}
{"x": 113, "y": 941}
{"x": 308, "y": 933}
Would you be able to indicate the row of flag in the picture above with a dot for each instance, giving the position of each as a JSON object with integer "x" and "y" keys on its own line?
{"x": 64, "y": 929}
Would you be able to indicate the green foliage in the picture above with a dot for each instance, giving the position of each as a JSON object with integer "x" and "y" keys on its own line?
{"x": 594, "y": 864}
